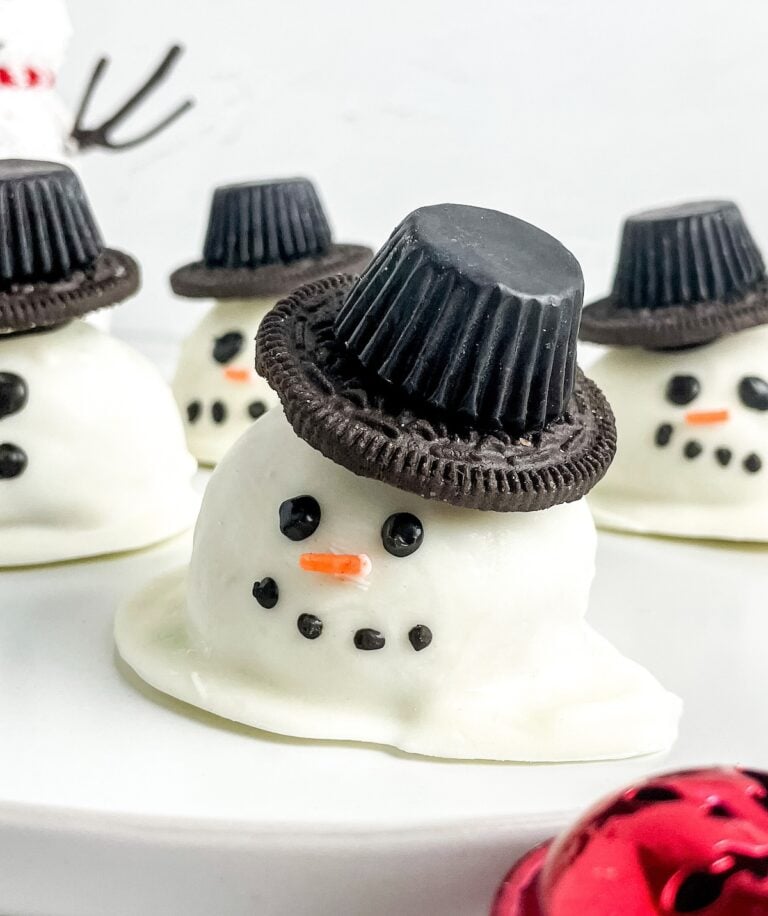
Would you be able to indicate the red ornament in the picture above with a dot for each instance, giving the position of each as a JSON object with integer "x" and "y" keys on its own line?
{"x": 693, "y": 842}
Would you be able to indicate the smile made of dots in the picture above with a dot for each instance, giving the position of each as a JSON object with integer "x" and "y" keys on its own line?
{"x": 266, "y": 592}
{"x": 692, "y": 449}
{"x": 219, "y": 411}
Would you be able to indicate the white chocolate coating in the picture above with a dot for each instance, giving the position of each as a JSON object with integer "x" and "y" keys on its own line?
{"x": 34, "y": 123}
{"x": 512, "y": 673}
{"x": 654, "y": 488}
{"x": 202, "y": 380}
{"x": 107, "y": 467}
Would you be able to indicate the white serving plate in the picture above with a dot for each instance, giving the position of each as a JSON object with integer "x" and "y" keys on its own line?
{"x": 115, "y": 799}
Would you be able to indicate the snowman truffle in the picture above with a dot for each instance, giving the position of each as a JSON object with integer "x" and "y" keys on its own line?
{"x": 688, "y": 376}
{"x": 402, "y": 554}
{"x": 92, "y": 455}
{"x": 263, "y": 240}
{"x": 33, "y": 118}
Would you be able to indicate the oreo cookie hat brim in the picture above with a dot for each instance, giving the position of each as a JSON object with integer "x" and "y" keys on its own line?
{"x": 196, "y": 281}
{"x": 113, "y": 277}
{"x": 356, "y": 422}
{"x": 607, "y": 322}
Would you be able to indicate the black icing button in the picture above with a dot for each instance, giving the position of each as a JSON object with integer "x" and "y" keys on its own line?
{"x": 219, "y": 412}
{"x": 13, "y": 393}
{"x": 226, "y": 347}
{"x": 723, "y": 456}
{"x": 753, "y": 463}
{"x": 193, "y": 411}
{"x": 693, "y": 449}
{"x": 256, "y": 409}
{"x": 266, "y": 592}
{"x": 13, "y": 461}
{"x": 369, "y": 640}
{"x": 663, "y": 434}
{"x": 309, "y": 626}
{"x": 420, "y": 637}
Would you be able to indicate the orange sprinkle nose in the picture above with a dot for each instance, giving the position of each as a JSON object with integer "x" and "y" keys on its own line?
{"x": 237, "y": 375}
{"x": 706, "y": 417}
{"x": 336, "y": 564}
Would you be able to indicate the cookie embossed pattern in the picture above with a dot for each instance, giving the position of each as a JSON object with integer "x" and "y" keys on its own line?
{"x": 395, "y": 524}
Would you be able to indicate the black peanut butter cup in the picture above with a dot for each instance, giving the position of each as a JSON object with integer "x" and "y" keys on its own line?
{"x": 448, "y": 369}
{"x": 53, "y": 263}
{"x": 686, "y": 275}
{"x": 265, "y": 239}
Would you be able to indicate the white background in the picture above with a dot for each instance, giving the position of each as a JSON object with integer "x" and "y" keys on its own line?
{"x": 568, "y": 113}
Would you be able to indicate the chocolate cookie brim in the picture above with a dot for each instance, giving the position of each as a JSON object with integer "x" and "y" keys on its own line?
{"x": 358, "y": 423}
{"x": 607, "y": 322}
{"x": 114, "y": 277}
{"x": 196, "y": 281}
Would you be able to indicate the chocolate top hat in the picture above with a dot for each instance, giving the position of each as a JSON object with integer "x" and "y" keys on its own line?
{"x": 686, "y": 275}
{"x": 264, "y": 239}
{"x": 448, "y": 369}
{"x": 53, "y": 263}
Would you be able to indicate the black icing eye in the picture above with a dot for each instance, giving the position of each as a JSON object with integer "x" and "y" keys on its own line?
{"x": 299, "y": 517}
{"x": 226, "y": 347}
{"x": 753, "y": 392}
{"x": 682, "y": 389}
{"x": 402, "y": 534}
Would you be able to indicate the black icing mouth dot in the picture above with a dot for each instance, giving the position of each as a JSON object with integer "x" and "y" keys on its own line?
{"x": 309, "y": 626}
{"x": 266, "y": 592}
{"x": 402, "y": 534}
{"x": 420, "y": 637}
{"x": 219, "y": 412}
{"x": 13, "y": 393}
{"x": 256, "y": 409}
{"x": 194, "y": 408}
{"x": 663, "y": 434}
{"x": 13, "y": 461}
{"x": 226, "y": 347}
{"x": 693, "y": 449}
{"x": 753, "y": 463}
{"x": 682, "y": 389}
{"x": 299, "y": 517}
{"x": 723, "y": 456}
{"x": 369, "y": 640}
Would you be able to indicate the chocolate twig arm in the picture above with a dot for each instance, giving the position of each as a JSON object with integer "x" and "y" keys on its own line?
{"x": 153, "y": 131}
{"x": 99, "y": 136}
{"x": 90, "y": 89}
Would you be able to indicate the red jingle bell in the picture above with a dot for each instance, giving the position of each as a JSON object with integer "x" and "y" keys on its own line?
{"x": 691, "y": 842}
